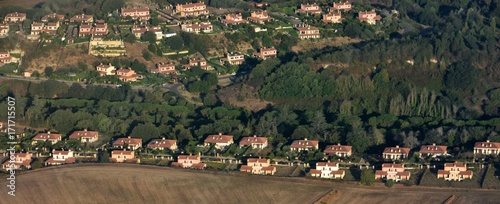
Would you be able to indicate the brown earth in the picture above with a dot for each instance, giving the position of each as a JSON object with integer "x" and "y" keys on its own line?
{"x": 251, "y": 101}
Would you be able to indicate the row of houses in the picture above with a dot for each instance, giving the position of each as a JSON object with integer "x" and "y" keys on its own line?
{"x": 334, "y": 14}
{"x": 125, "y": 75}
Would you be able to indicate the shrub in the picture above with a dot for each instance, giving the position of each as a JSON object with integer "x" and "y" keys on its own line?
{"x": 389, "y": 183}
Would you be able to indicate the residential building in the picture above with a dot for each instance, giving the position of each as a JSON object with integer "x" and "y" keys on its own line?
{"x": 85, "y": 29}
{"x": 395, "y": 153}
{"x": 136, "y": 13}
{"x": 338, "y": 150}
{"x": 328, "y": 170}
{"x": 106, "y": 69}
{"x": 138, "y": 31}
{"x": 345, "y": 6}
{"x": 21, "y": 160}
{"x": 36, "y": 28}
{"x": 53, "y": 17}
{"x": 197, "y": 62}
{"x": 307, "y": 32}
{"x": 332, "y": 17}
{"x": 255, "y": 142}
{"x": 128, "y": 143}
{"x": 27, "y": 73}
{"x": 4, "y": 30}
{"x": 60, "y": 157}
{"x": 51, "y": 28}
{"x": 392, "y": 171}
{"x": 85, "y": 136}
{"x": 127, "y": 75}
{"x": 189, "y": 161}
{"x": 43, "y": 137}
{"x": 491, "y": 148}
{"x": 302, "y": 145}
{"x": 15, "y": 17}
{"x": 233, "y": 58}
{"x": 309, "y": 9}
{"x": 432, "y": 150}
{"x": 370, "y": 17}
{"x": 82, "y": 18}
{"x": 220, "y": 141}
{"x": 265, "y": 53}
{"x": 164, "y": 68}
{"x": 162, "y": 144}
{"x": 205, "y": 27}
{"x": 233, "y": 19}
{"x": 258, "y": 166}
{"x": 259, "y": 17}
{"x": 100, "y": 29}
{"x": 456, "y": 171}
{"x": 5, "y": 57}
{"x": 122, "y": 156}
{"x": 191, "y": 9}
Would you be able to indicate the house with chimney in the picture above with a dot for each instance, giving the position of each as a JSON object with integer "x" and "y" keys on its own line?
{"x": 308, "y": 32}
{"x": 338, "y": 150}
{"x": 36, "y": 28}
{"x": 332, "y": 17}
{"x": 164, "y": 68}
{"x": 254, "y": 142}
{"x": 128, "y": 143}
{"x": 82, "y": 18}
{"x": 141, "y": 14}
{"x": 341, "y": 6}
{"x": 53, "y": 17}
{"x": 106, "y": 69}
{"x": 84, "y": 30}
{"x": 233, "y": 58}
{"x": 309, "y": 9}
{"x": 396, "y": 153}
{"x": 138, "y": 31}
{"x": 191, "y": 9}
{"x": 392, "y": 171}
{"x": 100, "y": 29}
{"x": 5, "y": 57}
{"x": 162, "y": 144}
{"x": 189, "y": 161}
{"x": 259, "y": 17}
{"x": 258, "y": 166}
{"x": 85, "y": 136}
{"x": 304, "y": 145}
{"x": 15, "y": 17}
{"x": 432, "y": 150}
{"x": 123, "y": 156}
{"x": 51, "y": 28}
{"x": 370, "y": 17}
{"x": 60, "y": 157}
{"x": 328, "y": 170}
{"x": 22, "y": 160}
{"x": 44, "y": 137}
{"x": 127, "y": 75}
{"x": 456, "y": 171}
{"x": 220, "y": 141}
{"x": 266, "y": 52}
{"x": 233, "y": 19}
{"x": 203, "y": 27}
{"x": 201, "y": 62}
{"x": 487, "y": 148}
{"x": 4, "y": 30}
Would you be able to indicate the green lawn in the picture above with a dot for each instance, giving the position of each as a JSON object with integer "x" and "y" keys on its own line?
{"x": 430, "y": 179}
{"x": 490, "y": 180}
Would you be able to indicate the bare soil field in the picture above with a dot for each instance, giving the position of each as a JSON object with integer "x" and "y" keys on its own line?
{"x": 127, "y": 183}
{"x": 21, "y": 3}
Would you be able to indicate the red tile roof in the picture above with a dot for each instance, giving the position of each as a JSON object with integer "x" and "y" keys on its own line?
{"x": 455, "y": 164}
{"x": 304, "y": 143}
{"x": 326, "y": 163}
{"x": 337, "y": 148}
{"x": 257, "y": 160}
{"x": 403, "y": 173}
{"x": 433, "y": 149}
{"x": 66, "y": 161}
{"x": 84, "y": 133}
{"x": 161, "y": 143}
{"x": 253, "y": 140}
{"x": 47, "y": 136}
{"x": 219, "y": 138}
{"x": 128, "y": 140}
{"x": 380, "y": 173}
{"x": 15, "y": 14}
{"x": 122, "y": 152}
{"x": 187, "y": 157}
{"x": 487, "y": 144}
{"x": 441, "y": 172}
{"x": 392, "y": 165}
{"x": 396, "y": 150}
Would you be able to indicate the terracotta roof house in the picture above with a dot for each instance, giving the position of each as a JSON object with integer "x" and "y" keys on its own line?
{"x": 370, "y": 17}
{"x": 191, "y": 9}
{"x": 233, "y": 19}
{"x": 392, "y": 171}
{"x": 127, "y": 75}
{"x": 15, "y": 17}
{"x": 332, "y": 17}
{"x": 60, "y": 157}
{"x": 138, "y": 31}
{"x": 265, "y": 53}
{"x": 259, "y": 17}
{"x": 233, "y": 58}
{"x": 338, "y": 150}
{"x": 36, "y": 28}
{"x": 327, "y": 170}
{"x": 51, "y": 137}
{"x": 82, "y": 18}
{"x": 85, "y": 136}
{"x": 205, "y": 27}
{"x": 221, "y": 141}
{"x": 21, "y": 160}
{"x": 4, "y": 30}
{"x": 162, "y": 144}
{"x": 197, "y": 62}
{"x": 100, "y": 29}
{"x": 189, "y": 161}
{"x": 5, "y": 57}
{"x": 51, "y": 28}
{"x": 300, "y": 145}
{"x": 307, "y": 32}
{"x": 122, "y": 156}
{"x": 492, "y": 148}
{"x": 395, "y": 153}
{"x": 432, "y": 150}
{"x": 164, "y": 68}
{"x": 258, "y": 166}
{"x": 455, "y": 172}
{"x": 53, "y": 16}
{"x": 136, "y": 13}
{"x": 132, "y": 143}
{"x": 309, "y": 9}
{"x": 85, "y": 29}
{"x": 255, "y": 142}
{"x": 346, "y": 6}
{"x": 106, "y": 69}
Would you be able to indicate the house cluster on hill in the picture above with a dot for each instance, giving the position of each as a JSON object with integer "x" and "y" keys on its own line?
{"x": 334, "y": 14}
